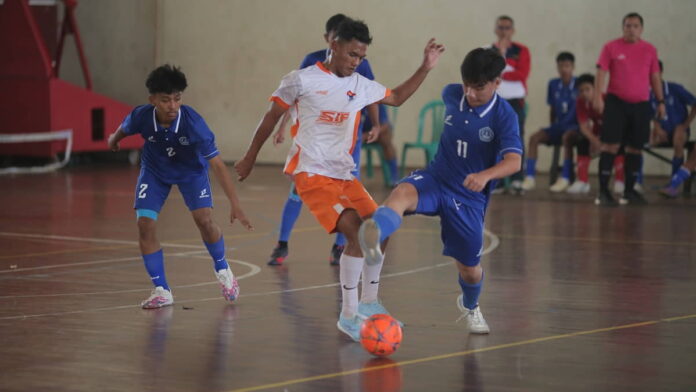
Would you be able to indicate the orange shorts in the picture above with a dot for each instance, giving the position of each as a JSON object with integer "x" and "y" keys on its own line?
{"x": 328, "y": 197}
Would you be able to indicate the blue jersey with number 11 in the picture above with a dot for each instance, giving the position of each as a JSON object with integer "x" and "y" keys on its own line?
{"x": 474, "y": 139}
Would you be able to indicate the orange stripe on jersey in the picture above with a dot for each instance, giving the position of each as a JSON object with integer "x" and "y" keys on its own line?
{"x": 292, "y": 165}
{"x": 279, "y": 101}
{"x": 322, "y": 67}
{"x": 296, "y": 126}
{"x": 355, "y": 132}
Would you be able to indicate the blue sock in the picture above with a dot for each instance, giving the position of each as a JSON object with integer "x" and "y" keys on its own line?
{"x": 471, "y": 292}
{"x": 291, "y": 211}
{"x": 217, "y": 252}
{"x": 676, "y": 164}
{"x": 340, "y": 239}
{"x": 393, "y": 169}
{"x": 681, "y": 176}
{"x": 388, "y": 221}
{"x": 567, "y": 169}
{"x": 531, "y": 167}
{"x": 154, "y": 264}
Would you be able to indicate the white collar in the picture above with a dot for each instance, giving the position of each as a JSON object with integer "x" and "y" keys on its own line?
{"x": 154, "y": 120}
{"x": 485, "y": 111}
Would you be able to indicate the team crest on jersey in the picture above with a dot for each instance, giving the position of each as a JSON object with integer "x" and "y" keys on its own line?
{"x": 183, "y": 141}
{"x": 486, "y": 134}
{"x": 350, "y": 95}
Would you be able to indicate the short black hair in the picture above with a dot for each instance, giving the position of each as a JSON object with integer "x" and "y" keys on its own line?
{"x": 334, "y": 21}
{"x": 166, "y": 79}
{"x": 565, "y": 56}
{"x": 351, "y": 29}
{"x": 632, "y": 15}
{"x": 482, "y": 65}
{"x": 584, "y": 78}
{"x": 505, "y": 17}
{"x": 662, "y": 67}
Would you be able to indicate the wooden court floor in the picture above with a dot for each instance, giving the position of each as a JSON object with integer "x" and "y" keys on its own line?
{"x": 578, "y": 298}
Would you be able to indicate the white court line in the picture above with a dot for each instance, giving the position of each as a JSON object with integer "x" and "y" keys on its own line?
{"x": 95, "y": 240}
{"x": 253, "y": 270}
{"x": 495, "y": 242}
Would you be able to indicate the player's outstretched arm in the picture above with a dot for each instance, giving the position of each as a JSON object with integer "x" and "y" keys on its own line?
{"x": 225, "y": 180}
{"x": 116, "y": 138}
{"x": 263, "y": 131}
{"x": 510, "y": 164}
{"x": 431, "y": 55}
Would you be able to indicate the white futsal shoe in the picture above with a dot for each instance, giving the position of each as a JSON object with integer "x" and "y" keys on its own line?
{"x": 619, "y": 187}
{"x": 159, "y": 297}
{"x": 529, "y": 183}
{"x": 473, "y": 317}
{"x": 560, "y": 185}
{"x": 228, "y": 284}
{"x": 579, "y": 188}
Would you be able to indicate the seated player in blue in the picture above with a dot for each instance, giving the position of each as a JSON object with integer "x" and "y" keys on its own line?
{"x": 293, "y": 205}
{"x": 385, "y": 141}
{"x": 178, "y": 149}
{"x": 673, "y": 130}
{"x": 560, "y": 96}
{"x": 480, "y": 143}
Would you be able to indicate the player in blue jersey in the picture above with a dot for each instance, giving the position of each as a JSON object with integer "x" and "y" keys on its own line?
{"x": 560, "y": 96}
{"x": 179, "y": 148}
{"x": 480, "y": 143}
{"x": 674, "y": 130}
{"x": 293, "y": 205}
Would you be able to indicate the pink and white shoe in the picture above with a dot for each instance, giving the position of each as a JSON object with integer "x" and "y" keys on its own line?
{"x": 158, "y": 298}
{"x": 230, "y": 287}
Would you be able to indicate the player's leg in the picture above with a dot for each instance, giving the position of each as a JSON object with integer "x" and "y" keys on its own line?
{"x": 291, "y": 211}
{"x": 582, "y": 181}
{"x": 558, "y": 137}
{"x": 620, "y": 171}
{"x": 150, "y": 194}
{"x": 327, "y": 201}
{"x": 679, "y": 138}
{"x": 541, "y": 136}
{"x": 199, "y": 199}
{"x": 684, "y": 172}
{"x": 614, "y": 123}
{"x": 462, "y": 237}
{"x": 639, "y": 116}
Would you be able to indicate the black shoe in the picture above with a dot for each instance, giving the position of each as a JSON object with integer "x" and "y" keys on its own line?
{"x": 632, "y": 198}
{"x": 335, "y": 255}
{"x": 605, "y": 199}
{"x": 280, "y": 252}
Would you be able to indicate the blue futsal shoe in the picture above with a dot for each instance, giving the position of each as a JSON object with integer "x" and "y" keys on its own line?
{"x": 368, "y": 236}
{"x": 367, "y": 309}
{"x": 350, "y": 326}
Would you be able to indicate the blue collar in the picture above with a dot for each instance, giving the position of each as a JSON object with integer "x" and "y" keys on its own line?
{"x": 157, "y": 127}
{"x": 480, "y": 110}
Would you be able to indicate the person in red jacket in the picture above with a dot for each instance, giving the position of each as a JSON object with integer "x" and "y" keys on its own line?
{"x": 513, "y": 87}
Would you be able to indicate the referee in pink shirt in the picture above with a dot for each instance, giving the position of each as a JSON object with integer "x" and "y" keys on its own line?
{"x": 633, "y": 68}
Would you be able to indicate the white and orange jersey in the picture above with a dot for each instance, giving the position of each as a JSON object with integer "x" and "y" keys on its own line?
{"x": 326, "y": 109}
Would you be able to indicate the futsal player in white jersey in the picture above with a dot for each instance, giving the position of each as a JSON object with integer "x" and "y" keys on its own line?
{"x": 327, "y": 98}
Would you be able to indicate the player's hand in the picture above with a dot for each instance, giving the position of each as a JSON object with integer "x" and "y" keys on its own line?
{"x": 659, "y": 136}
{"x": 598, "y": 104}
{"x": 432, "y": 53}
{"x": 243, "y": 167}
{"x": 279, "y": 137}
{"x": 661, "y": 111}
{"x": 373, "y": 135}
{"x": 238, "y": 214}
{"x": 476, "y": 182}
{"x": 113, "y": 144}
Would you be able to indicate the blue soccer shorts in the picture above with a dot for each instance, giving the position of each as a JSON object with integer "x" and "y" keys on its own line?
{"x": 555, "y": 133}
{"x": 461, "y": 226}
{"x": 151, "y": 192}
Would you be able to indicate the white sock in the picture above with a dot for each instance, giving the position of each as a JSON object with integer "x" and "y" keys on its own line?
{"x": 370, "y": 281}
{"x": 350, "y": 267}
